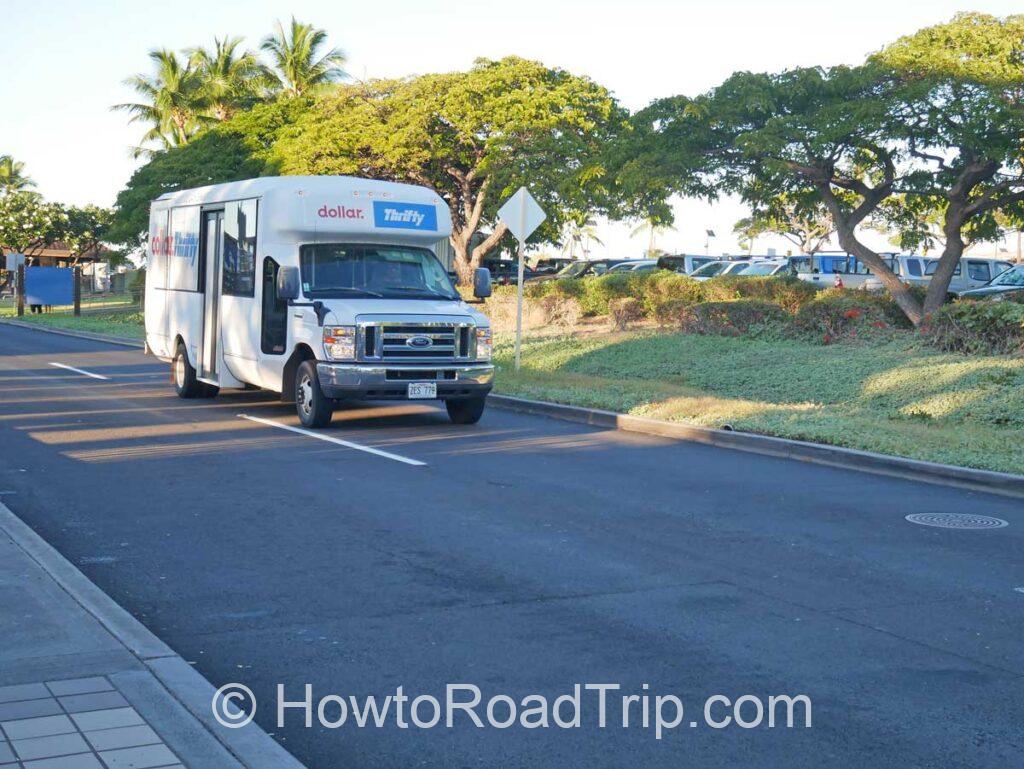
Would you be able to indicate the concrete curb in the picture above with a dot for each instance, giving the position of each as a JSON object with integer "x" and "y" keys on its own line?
{"x": 250, "y": 745}
{"x": 121, "y": 340}
{"x": 1005, "y": 484}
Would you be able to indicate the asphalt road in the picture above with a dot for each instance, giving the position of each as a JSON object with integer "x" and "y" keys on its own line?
{"x": 525, "y": 555}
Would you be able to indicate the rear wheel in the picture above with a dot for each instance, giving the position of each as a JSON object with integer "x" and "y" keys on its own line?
{"x": 314, "y": 408}
{"x": 466, "y": 412}
{"x": 185, "y": 382}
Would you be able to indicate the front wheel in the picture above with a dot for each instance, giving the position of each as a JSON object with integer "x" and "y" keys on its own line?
{"x": 185, "y": 382}
{"x": 314, "y": 408}
{"x": 466, "y": 412}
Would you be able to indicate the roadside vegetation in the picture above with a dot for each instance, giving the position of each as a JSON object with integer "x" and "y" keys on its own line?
{"x": 128, "y": 325}
{"x": 896, "y": 397}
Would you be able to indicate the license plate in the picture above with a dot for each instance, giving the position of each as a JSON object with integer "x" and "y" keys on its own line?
{"x": 423, "y": 389}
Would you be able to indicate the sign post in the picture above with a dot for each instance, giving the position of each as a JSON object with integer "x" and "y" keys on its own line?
{"x": 522, "y": 215}
{"x": 19, "y": 288}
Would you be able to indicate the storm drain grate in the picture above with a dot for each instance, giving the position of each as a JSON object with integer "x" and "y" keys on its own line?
{"x": 957, "y": 521}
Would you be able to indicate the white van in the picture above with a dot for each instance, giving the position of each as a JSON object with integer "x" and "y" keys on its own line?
{"x": 320, "y": 288}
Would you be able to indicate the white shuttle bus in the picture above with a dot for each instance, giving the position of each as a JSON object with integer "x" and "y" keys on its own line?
{"x": 323, "y": 289}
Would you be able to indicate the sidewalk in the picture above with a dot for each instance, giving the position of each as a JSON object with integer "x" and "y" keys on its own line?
{"x": 83, "y": 685}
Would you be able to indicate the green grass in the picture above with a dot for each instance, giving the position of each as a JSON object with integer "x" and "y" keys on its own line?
{"x": 124, "y": 324}
{"x": 894, "y": 397}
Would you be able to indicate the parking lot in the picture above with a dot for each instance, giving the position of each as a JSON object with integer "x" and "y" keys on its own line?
{"x": 523, "y": 555}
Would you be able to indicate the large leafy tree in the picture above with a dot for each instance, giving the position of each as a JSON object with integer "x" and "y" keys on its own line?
{"x": 299, "y": 63}
{"x": 12, "y": 175}
{"x": 860, "y": 140}
{"x": 173, "y": 102}
{"x": 961, "y": 126}
{"x": 230, "y": 77}
{"x": 474, "y": 137}
{"x": 28, "y": 223}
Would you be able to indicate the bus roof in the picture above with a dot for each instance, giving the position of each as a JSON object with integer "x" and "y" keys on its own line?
{"x": 319, "y": 206}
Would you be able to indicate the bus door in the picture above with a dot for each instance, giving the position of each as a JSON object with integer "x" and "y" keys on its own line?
{"x": 211, "y": 258}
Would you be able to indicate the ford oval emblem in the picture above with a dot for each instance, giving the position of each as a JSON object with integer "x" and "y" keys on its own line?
{"x": 419, "y": 342}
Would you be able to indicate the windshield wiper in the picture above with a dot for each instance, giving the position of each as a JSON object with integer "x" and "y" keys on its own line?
{"x": 351, "y": 289}
{"x": 420, "y": 290}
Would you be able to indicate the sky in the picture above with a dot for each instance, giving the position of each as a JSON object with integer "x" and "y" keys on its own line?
{"x": 63, "y": 64}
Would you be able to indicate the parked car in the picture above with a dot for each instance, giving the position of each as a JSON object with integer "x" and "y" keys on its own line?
{"x": 504, "y": 272}
{"x": 583, "y": 269}
{"x": 972, "y": 272}
{"x": 551, "y": 265}
{"x": 719, "y": 268}
{"x": 636, "y": 265}
{"x": 765, "y": 268}
{"x": 1007, "y": 284}
{"x": 684, "y": 263}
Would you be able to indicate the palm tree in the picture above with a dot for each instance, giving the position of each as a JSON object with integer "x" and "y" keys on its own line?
{"x": 582, "y": 234}
{"x": 174, "y": 103}
{"x": 653, "y": 229}
{"x": 12, "y": 175}
{"x": 230, "y": 78}
{"x": 296, "y": 66}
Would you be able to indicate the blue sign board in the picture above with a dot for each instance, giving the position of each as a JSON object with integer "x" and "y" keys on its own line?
{"x": 49, "y": 286}
{"x": 404, "y": 216}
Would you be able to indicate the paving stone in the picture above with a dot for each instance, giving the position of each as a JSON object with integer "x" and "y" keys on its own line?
{"x": 79, "y": 703}
{"x": 48, "y": 747}
{"x": 107, "y": 719}
{"x": 80, "y": 686}
{"x": 14, "y": 711}
{"x": 81, "y": 761}
{"x": 139, "y": 758}
{"x": 23, "y": 692}
{"x": 125, "y": 737}
{"x": 37, "y": 727}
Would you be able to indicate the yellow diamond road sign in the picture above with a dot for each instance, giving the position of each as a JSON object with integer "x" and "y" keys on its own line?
{"x": 522, "y": 214}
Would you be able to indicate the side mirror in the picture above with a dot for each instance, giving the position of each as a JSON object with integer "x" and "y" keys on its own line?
{"x": 288, "y": 283}
{"x": 482, "y": 283}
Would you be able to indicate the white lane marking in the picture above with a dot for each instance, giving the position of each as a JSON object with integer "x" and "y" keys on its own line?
{"x": 332, "y": 439}
{"x": 83, "y": 372}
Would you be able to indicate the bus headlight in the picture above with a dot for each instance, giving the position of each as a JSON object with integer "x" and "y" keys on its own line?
{"x": 340, "y": 342}
{"x": 483, "y": 344}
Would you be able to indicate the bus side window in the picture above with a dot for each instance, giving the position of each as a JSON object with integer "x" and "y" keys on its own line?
{"x": 274, "y": 324}
{"x": 914, "y": 267}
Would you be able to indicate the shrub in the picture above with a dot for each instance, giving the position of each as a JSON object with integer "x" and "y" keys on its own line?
{"x": 977, "y": 327}
{"x": 786, "y": 291}
{"x": 663, "y": 286}
{"x": 567, "y": 287}
{"x": 597, "y": 292}
{"x": 558, "y": 310}
{"x": 838, "y": 314}
{"x": 625, "y": 311}
{"x": 728, "y": 318}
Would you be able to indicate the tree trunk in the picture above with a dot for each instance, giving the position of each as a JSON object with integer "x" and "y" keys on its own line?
{"x": 900, "y": 291}
{"x": 938, "y": 287}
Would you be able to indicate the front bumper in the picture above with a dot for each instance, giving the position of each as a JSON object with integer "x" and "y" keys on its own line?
{"x": 360, "y": 381}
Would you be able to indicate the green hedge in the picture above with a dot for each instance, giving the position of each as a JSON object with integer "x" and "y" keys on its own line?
{"x": 977, "y": 327}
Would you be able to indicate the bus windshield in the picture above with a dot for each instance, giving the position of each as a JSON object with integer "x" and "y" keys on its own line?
{"x": 347, "y": 270}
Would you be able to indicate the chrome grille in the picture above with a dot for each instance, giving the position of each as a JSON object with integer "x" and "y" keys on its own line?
{"x": 389, "y": 340}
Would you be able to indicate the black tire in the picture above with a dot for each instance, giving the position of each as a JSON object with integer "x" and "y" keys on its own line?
{"x": 184, "y": 375}
{"x": 466, "y": 412}
{"x": 314, "y": 408}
